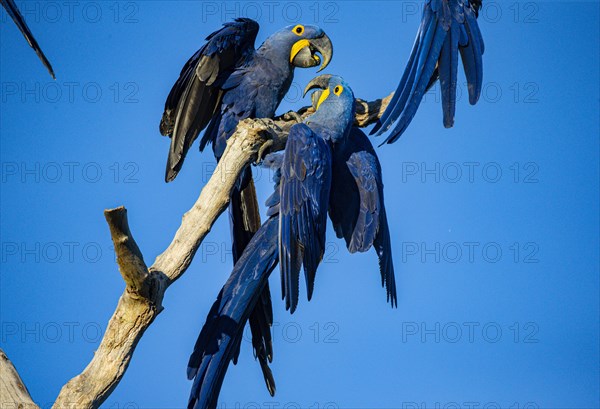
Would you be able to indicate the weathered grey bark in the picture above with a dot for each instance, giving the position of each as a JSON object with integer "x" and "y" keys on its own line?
{"x": 13, "y": 393}
{"x": 141, "y": 301}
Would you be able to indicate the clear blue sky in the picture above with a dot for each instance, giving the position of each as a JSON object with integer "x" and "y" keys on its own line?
{"x": 495, "y": 222}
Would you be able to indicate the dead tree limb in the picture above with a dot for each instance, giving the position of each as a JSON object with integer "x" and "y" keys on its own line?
{"x": 13, "y": 393}
{"x": 141, "y": 301}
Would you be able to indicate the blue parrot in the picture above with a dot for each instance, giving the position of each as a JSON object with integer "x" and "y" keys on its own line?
{"x": 307, "y": 175}
{"x": 15, "y": 14}
{"x": 224, "y": 82}
{"x": 347, "y": 183}
{"x": 447, "y": 28}
{"x": 228, "y": 80}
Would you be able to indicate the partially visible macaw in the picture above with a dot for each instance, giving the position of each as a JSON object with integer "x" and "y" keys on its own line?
{"x": 447, "y": 28}
{"x": 360, "y": 218}
{"x": 15, "y": 14}
{"x": 224, "y": 82}
{"x": 307, "y": 175}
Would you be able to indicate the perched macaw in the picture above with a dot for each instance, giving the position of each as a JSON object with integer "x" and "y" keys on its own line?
{"x": 357, "y": 177}
{"x": 224, "y": 82}
{"x": 348, "y": 186}
{"x": 447, "y": 28}
{"x": 307, "y": 175}
{"x": 15, "y": 14}
{"x": 228, "y": 80}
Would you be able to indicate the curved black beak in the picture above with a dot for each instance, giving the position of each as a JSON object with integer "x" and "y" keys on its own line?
{"x": 323, "y": 46}
{"x": 321, "y": 81}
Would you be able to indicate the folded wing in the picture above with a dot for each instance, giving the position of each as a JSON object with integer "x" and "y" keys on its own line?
{"x": 304, "y": 190}
{"x": 357, "y": 208}
{"x": 363, "y": 167}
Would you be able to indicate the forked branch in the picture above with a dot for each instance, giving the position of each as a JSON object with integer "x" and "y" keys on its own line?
{"x": 145, "y": 287}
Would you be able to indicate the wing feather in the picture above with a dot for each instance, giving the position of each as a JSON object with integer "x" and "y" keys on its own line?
{"x": 196, "y": 95}
{"x": 15, "y": 14}
{"x": 363, "y": 167}
{"x": 304, "y": 189}
{"x": 447, "y": 28}
{"x": 221, "y": 335}
{"x": 357, "y": 206}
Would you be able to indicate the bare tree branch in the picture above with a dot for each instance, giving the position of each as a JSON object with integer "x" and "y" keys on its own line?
{"x": 129, "y": 257}
{"x": 142, "y": 299}
{"x": 13, "y": 393}
{"x": 368, "y": 113}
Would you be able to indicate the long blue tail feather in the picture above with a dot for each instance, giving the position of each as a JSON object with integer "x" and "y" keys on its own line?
{"x": 221, "y": 335}
{"x": 447, "y": 28}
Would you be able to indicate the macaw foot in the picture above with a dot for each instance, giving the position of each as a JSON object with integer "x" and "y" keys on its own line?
{"x": 292, "y": 116}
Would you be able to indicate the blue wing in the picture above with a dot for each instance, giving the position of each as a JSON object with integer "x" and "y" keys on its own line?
{"x": 447, "y": 28}
{"x": 356, "y": 206}
{"x": 305, "y": 186}
{"x": 371, "y": 224}
{"x": 15, "y": 14}
{"x": 363, "y": 167}
{"x": 253, "y": 90}
{"x": 195, "y": 98}
{"x": 238, "y": 103}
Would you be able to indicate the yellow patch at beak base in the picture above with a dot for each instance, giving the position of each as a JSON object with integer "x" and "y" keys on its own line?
{"x": 324, "y": 96}
{"x": 298, "y": 45}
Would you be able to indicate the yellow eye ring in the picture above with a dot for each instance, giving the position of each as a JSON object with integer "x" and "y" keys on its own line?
{"x": 338, "y": 90}
{"x": 298, "y": 30}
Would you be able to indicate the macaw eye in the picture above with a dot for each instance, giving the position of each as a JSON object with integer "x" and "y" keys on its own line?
{"x": 298, "y": 30}
{"x": 338, "y": 90}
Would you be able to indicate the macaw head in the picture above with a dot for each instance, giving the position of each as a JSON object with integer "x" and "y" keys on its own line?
{"x": 302, "y": 44}
{"x": 333, "y": 102}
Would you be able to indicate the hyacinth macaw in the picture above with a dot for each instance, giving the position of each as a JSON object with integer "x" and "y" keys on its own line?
{"x": 224, "y": 82}
{"x": 306, "y": 179}
{"x": 15, "y": 14}
{"x": 447, "y": 28}
{"x": 228, "y": 80}
{"x": 345, "y": 183}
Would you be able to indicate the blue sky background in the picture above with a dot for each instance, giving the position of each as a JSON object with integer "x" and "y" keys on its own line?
{"x": 495, "y": 222}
